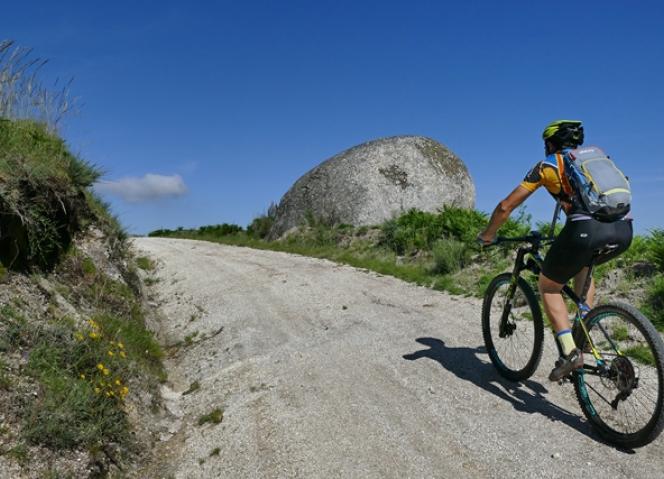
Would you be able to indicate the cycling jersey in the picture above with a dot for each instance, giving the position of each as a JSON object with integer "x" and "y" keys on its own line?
{"x": 545, "y": 173}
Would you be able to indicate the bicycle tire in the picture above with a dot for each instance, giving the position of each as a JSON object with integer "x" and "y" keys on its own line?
{"x": 590, "y": 400}
{"x": 493, "y": 342}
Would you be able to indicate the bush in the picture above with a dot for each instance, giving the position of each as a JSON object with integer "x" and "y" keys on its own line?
{"x": 42, "y": 198}
{"x": 224, "y": 229}
{"x": 413, "y": 230}
{"x": 654, "y": 302}
{"x": 260, "y": 227}
{"x": 449, "y": 256}
{"x": 655, "y": 248}
{"x": 418, "y": 230}
{"x": 461, "y": 223}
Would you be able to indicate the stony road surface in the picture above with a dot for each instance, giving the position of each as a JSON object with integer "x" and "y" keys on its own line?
{"x": 327, "y": 371}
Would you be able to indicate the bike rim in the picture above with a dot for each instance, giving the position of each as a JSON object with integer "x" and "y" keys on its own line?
{"x": 514, "y": 351}
{"x": 627, "y": 398}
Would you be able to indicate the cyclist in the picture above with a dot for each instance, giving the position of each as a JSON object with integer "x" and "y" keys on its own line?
{"x": 571, "y": 252}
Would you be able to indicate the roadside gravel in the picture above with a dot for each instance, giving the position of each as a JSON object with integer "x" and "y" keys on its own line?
{"x": 306, "y": 359}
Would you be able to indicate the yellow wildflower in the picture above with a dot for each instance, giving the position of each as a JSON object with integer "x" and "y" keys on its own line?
{"x": 100, "y": 366}
{"x": 122, "y": 354}
{"x": 110, "y": 353}
{"x": 120, "y": 345}
{"x": 97, "y": 390}
{"x": 82, "y": 376}
{"x": 118, "y": 382}
{"x": 93, "y": 335}
{"x": 106, "y": 372}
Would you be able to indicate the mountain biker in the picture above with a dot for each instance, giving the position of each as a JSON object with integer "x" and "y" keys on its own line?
{"x": 571, "y": 252}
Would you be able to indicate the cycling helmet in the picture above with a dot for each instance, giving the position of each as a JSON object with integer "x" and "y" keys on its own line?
{"x": 564, "y": 133}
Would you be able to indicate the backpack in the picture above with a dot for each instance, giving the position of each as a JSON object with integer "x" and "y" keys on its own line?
{"x": 595, "y": 183}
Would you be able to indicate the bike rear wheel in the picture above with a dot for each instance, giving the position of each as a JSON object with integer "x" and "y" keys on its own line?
{"x": 512, "y": 327}
{"x": 622, "y": 395}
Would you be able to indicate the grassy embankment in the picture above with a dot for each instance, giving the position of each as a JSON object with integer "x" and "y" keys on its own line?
{"x": 438, "y": 250}
{"x": 74, "y": 348}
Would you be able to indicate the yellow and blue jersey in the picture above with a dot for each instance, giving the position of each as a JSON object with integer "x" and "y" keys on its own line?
{"x": 546, "y": 173}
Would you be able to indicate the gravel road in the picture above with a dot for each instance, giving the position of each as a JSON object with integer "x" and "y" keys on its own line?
{"x": 328, "y": 371}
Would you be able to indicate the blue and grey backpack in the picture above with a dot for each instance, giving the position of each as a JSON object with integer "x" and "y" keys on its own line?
{"x": 595, "y": 183}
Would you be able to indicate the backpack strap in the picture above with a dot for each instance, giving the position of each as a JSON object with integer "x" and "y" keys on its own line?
{"x": 564, "y": 181}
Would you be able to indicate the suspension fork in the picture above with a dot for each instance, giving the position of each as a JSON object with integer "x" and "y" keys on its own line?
{"x": 505, "y": 328}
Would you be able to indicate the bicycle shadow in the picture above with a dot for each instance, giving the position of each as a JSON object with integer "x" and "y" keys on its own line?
{"x": 526, "y": 396}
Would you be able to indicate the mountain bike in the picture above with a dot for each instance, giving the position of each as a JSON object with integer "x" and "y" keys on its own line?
{"x": 621, "y": 386}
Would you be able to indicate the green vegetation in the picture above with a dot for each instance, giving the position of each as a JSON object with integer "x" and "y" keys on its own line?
{"x": 424, "y": 248}
{"x": 213, "y": 417}
{"x": 193, "y": 387}
{"x": 146, "y": 264}
{"x": 82, "y": 365}
{"x": 84, "y": 371}
{"x": 641, "y": 353}
{"x": 654, "y": 302}
{"x": 42, "y": 200}
{"x": 438, "y": 250}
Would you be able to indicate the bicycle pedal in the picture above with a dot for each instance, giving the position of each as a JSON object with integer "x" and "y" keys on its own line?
{"x": 566, "y": 379}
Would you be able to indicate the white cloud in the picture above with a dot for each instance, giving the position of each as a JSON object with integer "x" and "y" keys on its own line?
{"x": 149, "y": 187}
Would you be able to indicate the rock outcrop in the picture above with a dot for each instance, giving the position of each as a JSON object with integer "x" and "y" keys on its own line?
{"x": 375, "y": 181}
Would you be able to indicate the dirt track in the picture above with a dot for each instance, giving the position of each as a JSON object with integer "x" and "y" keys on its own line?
{"x": 327, "y": 371}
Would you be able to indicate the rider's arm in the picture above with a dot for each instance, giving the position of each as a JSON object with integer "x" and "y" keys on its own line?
{"x": 503, "y": 211}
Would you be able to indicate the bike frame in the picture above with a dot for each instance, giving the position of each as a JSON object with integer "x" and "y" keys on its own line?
{"x": 529, "y": 258}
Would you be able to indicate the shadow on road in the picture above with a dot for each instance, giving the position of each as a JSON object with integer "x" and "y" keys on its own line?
{"x": 526, "y": 396}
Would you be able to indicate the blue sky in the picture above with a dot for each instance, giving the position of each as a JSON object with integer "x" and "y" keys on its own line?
{"x": 241, "y": 98}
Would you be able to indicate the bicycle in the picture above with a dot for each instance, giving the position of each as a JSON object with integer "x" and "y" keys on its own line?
{"x": 621, "y": 386}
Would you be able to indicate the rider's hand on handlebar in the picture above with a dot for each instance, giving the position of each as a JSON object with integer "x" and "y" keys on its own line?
{"x": 482, "y": 240}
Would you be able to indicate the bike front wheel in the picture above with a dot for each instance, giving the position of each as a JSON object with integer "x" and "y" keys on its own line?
{"x": 622, "y": 392}
{"x": 512, "y": 327}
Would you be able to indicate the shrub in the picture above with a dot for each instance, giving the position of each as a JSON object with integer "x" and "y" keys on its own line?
{"x": 461, "y": 223}
{"x": 449, "y": 256}
{"x": 260, "y": 227}
{"x": 654, "y": 302}
{"x": 655, "y": 248}
{"x": 224, "y": 229}
{"x": 42, "y": 200}
{"x": 413, "y": 230}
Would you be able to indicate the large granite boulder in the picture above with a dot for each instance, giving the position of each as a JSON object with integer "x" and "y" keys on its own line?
{"x": 376, "y": 181}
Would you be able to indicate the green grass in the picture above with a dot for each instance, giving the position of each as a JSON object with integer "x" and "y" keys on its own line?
{"x": 213, "y": 417}
{"x": 641, "y": 354}
{"x": 653, "y": 305}
{"x": 449, "y": 256}
{"x": 433, "y": 249}
{"x": 144, "y": 263}
{"x": 43, "y": 200}
{"x": 193, "y": 387}
{"x": 620, "y": 333}
{"x": 68, "y": 413}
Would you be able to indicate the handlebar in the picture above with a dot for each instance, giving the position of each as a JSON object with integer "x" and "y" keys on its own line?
{"x": 534, "y": 237}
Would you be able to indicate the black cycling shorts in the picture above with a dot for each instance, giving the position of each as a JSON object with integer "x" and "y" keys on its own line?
{"x": 576, "y": 244}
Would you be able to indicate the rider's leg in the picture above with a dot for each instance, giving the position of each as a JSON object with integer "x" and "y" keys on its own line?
{"x": 580, "y": 282}
{"x": 556, "y": 310}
